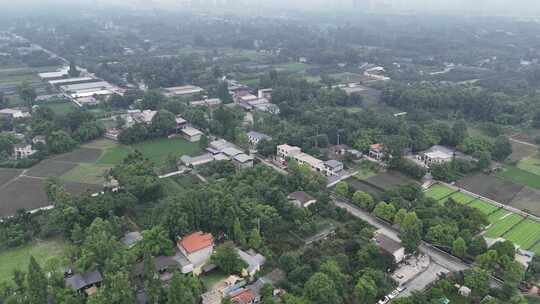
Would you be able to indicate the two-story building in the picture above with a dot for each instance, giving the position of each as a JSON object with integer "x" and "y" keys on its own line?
{"x": 197, "y": 248}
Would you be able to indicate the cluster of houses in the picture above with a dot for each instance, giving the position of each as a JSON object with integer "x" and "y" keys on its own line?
{"x": 328, "y": 168}
{"x": 192, "y": 256}
{"x": 243, "y": 98}
{"x": 219, "y": 150}
{"x": 133, "y": 117}
{"x": 82, "y": 90}
{"x": 25, "y": 147}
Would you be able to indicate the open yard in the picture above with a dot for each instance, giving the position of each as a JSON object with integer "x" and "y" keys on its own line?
{"x": 501, "y": 227}
{"x": 18, "y": 258}
{"x": 439, "y": 192}
{"x": 155, "y": 150}
{"x": 526, "y": 234}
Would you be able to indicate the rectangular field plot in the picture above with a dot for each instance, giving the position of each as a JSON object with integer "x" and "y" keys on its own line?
{"x": 461, "y": 198}
{"x": 438, "y": 192}
{"x": 498, "y": 215}
{"x": 526, "y": 234}
{"x": 484, "y": 207}
{"x": 536, "y": 249}
{"x": 500, "y": 227}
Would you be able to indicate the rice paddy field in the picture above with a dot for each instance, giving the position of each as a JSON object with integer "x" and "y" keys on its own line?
{"x": 503, "y": 223}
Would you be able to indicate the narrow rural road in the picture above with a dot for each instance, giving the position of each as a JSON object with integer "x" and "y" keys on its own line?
{"x": 436, "y": 255}
{"x": 522, "y": 142}
{"x": 441, "y": 262}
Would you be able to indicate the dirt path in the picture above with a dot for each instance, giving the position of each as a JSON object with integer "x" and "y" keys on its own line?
{"x": 523, "y": 142}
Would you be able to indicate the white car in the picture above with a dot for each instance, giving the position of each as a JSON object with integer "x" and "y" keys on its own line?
{"x": 401, "y": 288}
{"x": 394, "y": 294}
{"x": 384, "y": 301}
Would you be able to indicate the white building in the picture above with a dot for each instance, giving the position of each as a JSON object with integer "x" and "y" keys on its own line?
{"x": 254, "y": 261}
{"x": 256, "y": 137}
{"x": 243, "y": 161}
{"x": 211, "y": 102}
{"x": 197, "y": 248}
{"x": 21, "y": 151}
{"x": 182, "y": 91}
{"x": 286, "y": 151}
{"x": 332, "y": 167}
{"x": 436, "y": 155}
{"x": 13, "y": 113}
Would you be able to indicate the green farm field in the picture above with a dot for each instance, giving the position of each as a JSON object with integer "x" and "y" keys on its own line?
{"x": 526, "y": 234}
{"x": 438, "y": 192}
{"x": 530, "y": 164}
{"x": 497, "y": 216}
{"x": 501, "y": 227}
{"x": 484, "y": 207}
{"x": 520, "y": 176}
{"x": 461, "y": 198}
{"x": 17, "y": 259}
{"x": 156, "y": 150}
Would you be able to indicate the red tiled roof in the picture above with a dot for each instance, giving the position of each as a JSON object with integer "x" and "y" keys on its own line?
{"x": 376, "y": 146}
{"x": 245, "y": 297}
{"x": 196, "y": 241}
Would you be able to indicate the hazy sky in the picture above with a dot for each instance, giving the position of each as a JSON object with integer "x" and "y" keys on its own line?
{"x": 483, "y": 7}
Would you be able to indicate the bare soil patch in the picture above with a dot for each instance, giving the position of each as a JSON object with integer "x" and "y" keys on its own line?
{"x": 81, "y": 155}
{"x": 527, "y": 200}
{"x": 50, "y": 168}
{"x": 492, "y": 187}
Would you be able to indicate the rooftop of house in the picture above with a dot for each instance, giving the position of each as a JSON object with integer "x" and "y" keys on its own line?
{"x": 308, "y": 159}
{"x": 257, "y": 135}
{"x": 180, "y": 120}
{"x": 160, "y": 262}
{"x": 230, "y": 151}
{"x": 438, "y": 151}
{"x": 386, "y": 243}
{"x": 187, "y": 89}
{"x": 220, "y": 144}
{"x": 243, "y": 158}
{"x": 79, "y": 281}
{"x": 189, "y": 131}
{"x": 204, "y": 158}
{"x": 244, "y": 296}
{"x": 333, "y": 164}
{"x": 196, "y": 241}
{"x": 301, "y": 196}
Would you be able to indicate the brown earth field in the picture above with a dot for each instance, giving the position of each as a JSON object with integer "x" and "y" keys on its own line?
{"x": 491, "y": 187}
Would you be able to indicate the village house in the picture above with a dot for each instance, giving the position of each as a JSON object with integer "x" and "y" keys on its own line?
{"x": 243, "y": 296}
{"x": 191, "y": 134}
{"x": 256, "y": 137}
{"x": 376, "y": 151}
{"x": 182, "y": 91}
{"x": 301, "y": 199}
{"x": 209, "y": 103}
{"x": 436, "y": 155}
{"x": 21, "y": 151}
{"x": 243, "y": 161}
{"x": 333, "y": 167}
{"x": 13, "y": 113}
{"x": 87, "y": 282}
{"x": 164, "y": 265}
{"x": 181, "y": 123}
{"x": 112, "y": 134}
{"x": 265, "y": 93}
{"x": 39, "y": 139}
{"x": 192, "y": 162}
{"x": 390, "y": 246}
{"x": 197, "y": 248}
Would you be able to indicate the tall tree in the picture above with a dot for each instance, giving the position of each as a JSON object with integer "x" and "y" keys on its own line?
{"x": 36, "y": 283}
{"x": 459, "y": 247}
{"x": 238, "y": 233}
{"x": 320, "y": 289}
{"x": 28, "y": 94}
{"x": 156, "y": 242}
{"x": 227, "y": 259}
{"x": 73, "y": 71}
{"x": 178, "y": 291}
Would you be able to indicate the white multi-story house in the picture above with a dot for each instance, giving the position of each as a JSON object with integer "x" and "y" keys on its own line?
{"x": 197, "y": 248}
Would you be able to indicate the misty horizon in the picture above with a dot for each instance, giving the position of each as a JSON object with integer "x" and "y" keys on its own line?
{"x": 525, "y": 8}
